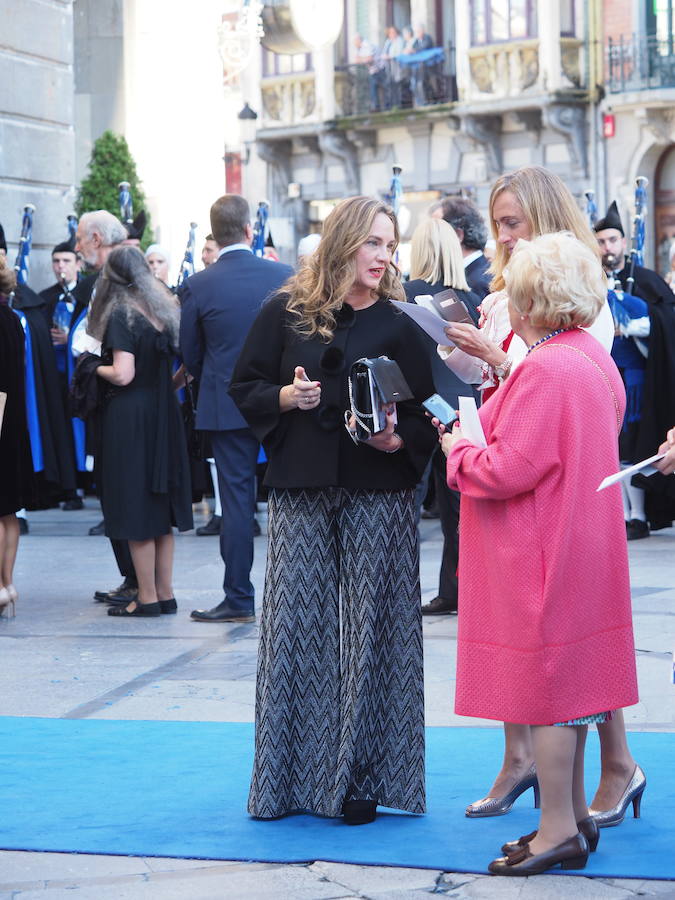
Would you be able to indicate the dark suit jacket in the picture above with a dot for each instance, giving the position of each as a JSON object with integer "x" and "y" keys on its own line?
{"x": 447, "y": 384}
{"x": 478, "y": 277}
{"x": 219, "y": 306}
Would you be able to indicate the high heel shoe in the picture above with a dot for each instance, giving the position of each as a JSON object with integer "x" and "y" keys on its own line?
{"x": 499, "y": 806}
{"x": 606, "y": 818}
{"x": 587, "y": 827}
{"x": 571, "y": 854}
{"x": 8, "y": 597}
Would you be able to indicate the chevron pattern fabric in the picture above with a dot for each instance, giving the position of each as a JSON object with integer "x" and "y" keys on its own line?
{"x": 339, "y": 697}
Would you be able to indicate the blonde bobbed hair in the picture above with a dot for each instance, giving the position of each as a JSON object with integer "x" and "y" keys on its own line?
{"x": 319, "y": 288}
{"x": 436, "y": 255}
{"x": 548, "y": 206}
{"x": 556, "y": 281}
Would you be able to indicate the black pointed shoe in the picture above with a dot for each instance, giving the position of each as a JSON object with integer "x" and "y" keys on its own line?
{"x": 141, "y": 610}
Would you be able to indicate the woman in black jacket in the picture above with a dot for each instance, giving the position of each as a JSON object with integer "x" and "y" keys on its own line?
{"x": 339, "y": 707}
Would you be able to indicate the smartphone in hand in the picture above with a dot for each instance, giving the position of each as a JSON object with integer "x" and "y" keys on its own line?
{"x": 441, "y": 409}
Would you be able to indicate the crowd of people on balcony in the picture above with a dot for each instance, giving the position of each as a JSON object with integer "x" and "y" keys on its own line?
{"x": 402, "y": 72}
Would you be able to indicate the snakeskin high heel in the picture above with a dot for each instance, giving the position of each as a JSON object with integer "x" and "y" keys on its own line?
{"x": 499, "y": 806}
{"x": 607, "y": 818}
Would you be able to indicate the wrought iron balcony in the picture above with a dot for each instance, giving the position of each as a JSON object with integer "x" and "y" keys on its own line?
{"x": 640, "y": 63}
{"x": 406, "y": 82}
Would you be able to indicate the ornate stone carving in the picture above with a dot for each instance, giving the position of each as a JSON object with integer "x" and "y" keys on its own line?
{"x": 277, "y": 155}
{"x": 307, "y": 98}
{"x": 570, "y": 121}
{"x": 569, "y": 58}
{"x": 661, "y": 123}
{"x": 336, "y": 143}
{"x": 505, "y": 69}
{"x": 272, "y": 103}
{"x": 482, "y": 73}
{"x": 486, "y": 131}
{"x": 529, "y": 66}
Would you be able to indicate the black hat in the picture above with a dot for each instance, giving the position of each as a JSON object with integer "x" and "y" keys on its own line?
{"x": 65, "y": 246}
{"x": 136, "y": 228}
{"x": 3, "y": 242}
{"x": 612, "y": 219}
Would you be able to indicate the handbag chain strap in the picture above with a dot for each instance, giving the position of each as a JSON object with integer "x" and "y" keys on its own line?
{"x": 600, "y": 370}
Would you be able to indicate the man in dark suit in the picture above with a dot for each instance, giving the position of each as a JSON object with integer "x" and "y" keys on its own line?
{"x": 219, "y": 306}
{"x": 470, "y": 228}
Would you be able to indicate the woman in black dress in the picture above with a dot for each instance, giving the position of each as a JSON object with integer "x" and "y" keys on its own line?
{"x": 145, "y": 481}
{"x": 16, "y": 466}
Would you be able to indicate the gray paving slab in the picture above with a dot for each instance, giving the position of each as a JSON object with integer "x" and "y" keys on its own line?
{"x": 62, "y": 656}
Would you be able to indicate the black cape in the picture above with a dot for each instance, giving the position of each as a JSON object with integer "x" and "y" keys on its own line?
{"x": 658, "y": 405}
{"x": 58, "y": 475}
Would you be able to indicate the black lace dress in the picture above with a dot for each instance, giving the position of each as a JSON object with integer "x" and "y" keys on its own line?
{"x": 144, "y": 465}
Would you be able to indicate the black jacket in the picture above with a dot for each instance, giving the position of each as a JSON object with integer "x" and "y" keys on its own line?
{"x": 658, "y": 403}
{"x": 312, "y": 449}
{"x": 478, "y": 277}
{"x": 447, "y": 384}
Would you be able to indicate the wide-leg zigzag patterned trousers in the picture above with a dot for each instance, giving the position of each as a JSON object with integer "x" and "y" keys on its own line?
{"x": 339, "y": 695}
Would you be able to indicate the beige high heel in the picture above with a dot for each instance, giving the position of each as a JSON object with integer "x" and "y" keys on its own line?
{"x": 8, "y": 597}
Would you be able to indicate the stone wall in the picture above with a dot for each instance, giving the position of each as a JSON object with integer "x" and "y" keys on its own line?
{"x": 36, "y": 125}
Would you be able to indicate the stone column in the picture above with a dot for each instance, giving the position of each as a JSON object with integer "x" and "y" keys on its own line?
{"x": 36, "y": 126}
{"x": 550, "y": 64}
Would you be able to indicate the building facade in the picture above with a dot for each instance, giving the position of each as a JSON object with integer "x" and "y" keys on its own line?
{"x": 37, "y": 125}
{"x": 505, "y": 85}
{"x": 639, "y": 106}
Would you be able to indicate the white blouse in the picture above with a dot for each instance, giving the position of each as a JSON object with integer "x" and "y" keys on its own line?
{"x": 496, "y": 325}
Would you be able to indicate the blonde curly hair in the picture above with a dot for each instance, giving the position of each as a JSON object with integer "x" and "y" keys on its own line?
{"x": 319, "y": 288}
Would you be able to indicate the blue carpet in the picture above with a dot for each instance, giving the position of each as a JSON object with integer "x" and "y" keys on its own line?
{"x": 179, "y": 789}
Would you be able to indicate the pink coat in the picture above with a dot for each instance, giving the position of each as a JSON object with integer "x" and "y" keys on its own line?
{"x": 545, "y": 631}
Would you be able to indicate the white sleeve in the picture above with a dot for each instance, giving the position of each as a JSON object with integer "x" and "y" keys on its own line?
{"x": 636, "y": 328}
{"x": 468, "y": 368}
{"x": 603, "y": 327}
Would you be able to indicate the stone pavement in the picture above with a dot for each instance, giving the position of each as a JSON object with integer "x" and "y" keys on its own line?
{"x": 63, "y": 657}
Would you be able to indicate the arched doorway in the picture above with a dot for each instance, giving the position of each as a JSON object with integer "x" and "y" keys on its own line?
{"x": 664, "y": 208}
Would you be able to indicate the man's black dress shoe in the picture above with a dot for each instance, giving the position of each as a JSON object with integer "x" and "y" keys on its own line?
{"x": 75, "y": 503}
{"x": 147, "y": 610}
{"x": 103, "y": 596}
{"x": 439, "y": 606}
{"x": 571, "y": 854}
{"x": 636, "y": 529}
{"x": 122, "y": 597}
{"x": 23, "y": 525}
{"x": 222, "y": 613}
{"x": 98, "y": 529}
{"x": 212, "y": 527}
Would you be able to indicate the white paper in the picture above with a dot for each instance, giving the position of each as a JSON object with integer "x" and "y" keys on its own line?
{"x": 630, "y": 471}
{"x": 469, "y": 422}
{"x": 429, "y": 321}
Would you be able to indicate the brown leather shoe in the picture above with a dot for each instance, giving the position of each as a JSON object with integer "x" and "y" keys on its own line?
{"x": 587, "y": 827}
{"x": 439, "y": 606}
{"x": 571, "y": 854}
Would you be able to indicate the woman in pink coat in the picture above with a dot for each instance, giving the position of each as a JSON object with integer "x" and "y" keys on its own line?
{"x": 545, "y": 634}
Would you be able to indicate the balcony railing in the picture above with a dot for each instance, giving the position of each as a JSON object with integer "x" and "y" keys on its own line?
{"x": 406, "y": 82}
{"x": 640, "y": 63}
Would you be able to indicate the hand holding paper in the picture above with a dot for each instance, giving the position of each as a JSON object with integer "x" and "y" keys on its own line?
{"x": 645, "y": 467}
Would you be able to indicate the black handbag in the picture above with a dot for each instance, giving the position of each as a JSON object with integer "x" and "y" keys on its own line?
{"x": 374, "y": 385}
